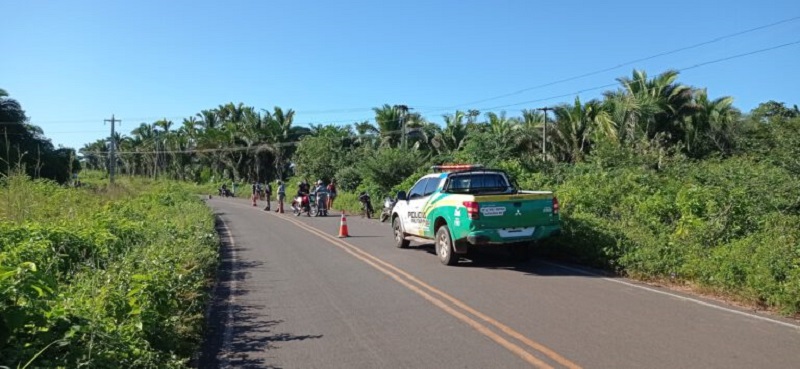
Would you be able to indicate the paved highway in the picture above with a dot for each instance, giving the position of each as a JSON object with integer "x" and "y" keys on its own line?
{"x": 293, "y": 295}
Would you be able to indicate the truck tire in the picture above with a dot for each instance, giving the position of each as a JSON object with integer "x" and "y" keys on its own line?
{"x": 399, "y": 237}
{"x": 444, "y": 246}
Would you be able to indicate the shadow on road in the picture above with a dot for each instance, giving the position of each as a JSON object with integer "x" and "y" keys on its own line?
{"x": 251, "y": 332}
{"x": 498, "y": 257}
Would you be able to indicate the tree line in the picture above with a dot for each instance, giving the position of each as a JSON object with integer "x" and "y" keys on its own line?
{"x": 652, "y": 116}
{"x": 24, "y": 147}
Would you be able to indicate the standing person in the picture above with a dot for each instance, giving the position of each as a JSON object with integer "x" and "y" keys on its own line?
{"x": 254, "y": 195}
{"x": 331, "y": 193}
{"x": 268, "y": 194}
{"x": 281, "y": 195}
{"x": 322, "y": 196}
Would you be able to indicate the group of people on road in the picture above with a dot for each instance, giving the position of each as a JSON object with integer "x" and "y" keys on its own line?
{"x": 325, "y": 195}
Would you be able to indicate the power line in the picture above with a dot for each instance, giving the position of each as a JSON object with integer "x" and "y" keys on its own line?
{"x": 608, "y": 69}
{"x": 679, "y": 70}
{"x": 240, "y": 148}
{"x": 534, "y": 87}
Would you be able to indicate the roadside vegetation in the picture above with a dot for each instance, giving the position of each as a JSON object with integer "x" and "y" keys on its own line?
{"x": 102, "y": 277}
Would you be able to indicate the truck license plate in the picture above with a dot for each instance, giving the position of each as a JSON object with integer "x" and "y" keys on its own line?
{"x": 516, "y": 232}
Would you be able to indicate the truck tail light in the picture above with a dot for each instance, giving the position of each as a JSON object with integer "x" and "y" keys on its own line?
{"x": 555, "y": 205}
{"x": 473, "y": 209}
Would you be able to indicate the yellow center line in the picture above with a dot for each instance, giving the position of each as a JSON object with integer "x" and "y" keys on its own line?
{"x": 396, "y": 273}
{"x": 519, "y": 351}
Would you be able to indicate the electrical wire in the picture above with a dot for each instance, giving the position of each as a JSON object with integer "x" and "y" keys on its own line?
{"x": 698, "y": 65}
{"x": 717, "y": 39}
{"x": 627, "y": 63}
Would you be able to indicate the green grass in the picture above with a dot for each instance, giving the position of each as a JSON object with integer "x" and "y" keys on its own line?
{"x": 101, "y": 276}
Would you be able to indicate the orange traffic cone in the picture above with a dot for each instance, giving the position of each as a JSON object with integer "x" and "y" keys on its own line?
{"x": 343, "y": 227}
{"x": 254, "y": 200}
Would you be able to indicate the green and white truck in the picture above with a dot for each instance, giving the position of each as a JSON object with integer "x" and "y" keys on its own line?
{"x": 463, "y": 206}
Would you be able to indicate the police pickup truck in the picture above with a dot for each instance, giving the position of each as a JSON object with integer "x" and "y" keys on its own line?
{"x": 462, "y": 206}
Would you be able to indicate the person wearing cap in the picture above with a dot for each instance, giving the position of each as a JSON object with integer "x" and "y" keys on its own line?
{"x": 321, "y": 194}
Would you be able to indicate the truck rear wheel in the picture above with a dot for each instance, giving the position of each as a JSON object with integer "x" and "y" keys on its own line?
{"x": 399, "y": 237}
{"x": 444, "y": 246}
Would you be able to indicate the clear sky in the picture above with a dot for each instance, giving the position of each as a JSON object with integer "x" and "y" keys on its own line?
{"x": 72, "y": 64}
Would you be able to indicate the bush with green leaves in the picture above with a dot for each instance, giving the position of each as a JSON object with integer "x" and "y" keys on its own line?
{"x": 388, "y": 167}
{"x": 348, "y": 178}
{"x": 103, "y": 277}
{"x": 729, "y": 225}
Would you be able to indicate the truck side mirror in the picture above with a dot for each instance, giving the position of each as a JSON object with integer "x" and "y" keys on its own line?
{"x": 401, "y": 195}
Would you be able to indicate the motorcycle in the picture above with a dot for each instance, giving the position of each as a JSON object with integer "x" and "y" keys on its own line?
{"x": 388, "y": 205}
{"x": 224, "y": 192}
{"x": 366, "y": 205}
{"x": 302, "y": 204}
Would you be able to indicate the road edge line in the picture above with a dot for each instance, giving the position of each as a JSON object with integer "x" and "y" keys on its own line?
{"x": 680, "y": 297}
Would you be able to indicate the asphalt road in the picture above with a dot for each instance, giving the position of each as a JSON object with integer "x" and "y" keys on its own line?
{"x": 293, "y": 295}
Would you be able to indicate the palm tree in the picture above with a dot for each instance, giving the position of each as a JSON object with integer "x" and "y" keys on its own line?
{"x": 502, "y": 127}
{"x": 366, "y": 134}
{"x": 453, "y": 137}
{"x": 389, "y": 125}
{"x": 95, "y": 154}
{"x": 650, "y": 107}
{"x": 577, "y": 126}
{"x": 146, "y": 136}
{"x": 529, "y": 131}
{"x": 282, "y": 136}
{"x": 710, "y": 126}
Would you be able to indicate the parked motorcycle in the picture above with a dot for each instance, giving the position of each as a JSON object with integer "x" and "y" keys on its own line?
{"x": 224, "y": 192}
{"x": 302, "y": 204}
{"x": 388, "y": 205}
{"x": 366, "y": 205}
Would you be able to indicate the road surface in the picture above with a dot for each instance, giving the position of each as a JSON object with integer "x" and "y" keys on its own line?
{"x": 293, "y": 295}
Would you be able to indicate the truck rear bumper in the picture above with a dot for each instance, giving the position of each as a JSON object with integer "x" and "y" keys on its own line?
{"x": 492, "y": 236}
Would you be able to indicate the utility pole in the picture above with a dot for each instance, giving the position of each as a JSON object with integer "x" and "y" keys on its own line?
{"x": 544, "y": 132}
{"x": 112, "y": 158}
{"x": 403, "y": 111}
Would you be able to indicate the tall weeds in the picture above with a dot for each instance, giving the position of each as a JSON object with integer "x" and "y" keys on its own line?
{"x": 102, "y": 277}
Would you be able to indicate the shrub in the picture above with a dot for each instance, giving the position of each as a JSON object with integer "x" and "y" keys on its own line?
{"x": 348, "y": 178}
{"x": 114, "y": 278}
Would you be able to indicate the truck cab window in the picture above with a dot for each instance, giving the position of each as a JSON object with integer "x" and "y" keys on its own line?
{"x": 479, "y": 183}
{"x": 418, "y": 190}
{"x": 433, "y": 184}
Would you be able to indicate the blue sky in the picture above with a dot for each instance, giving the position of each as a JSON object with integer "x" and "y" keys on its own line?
{"x": 72, "y": 64}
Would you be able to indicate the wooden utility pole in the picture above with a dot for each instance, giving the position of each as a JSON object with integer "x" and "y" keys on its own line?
{"x": 544, "y": 132}
{"x": 403, "y": 111}
{"x": 112, "y": 158}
